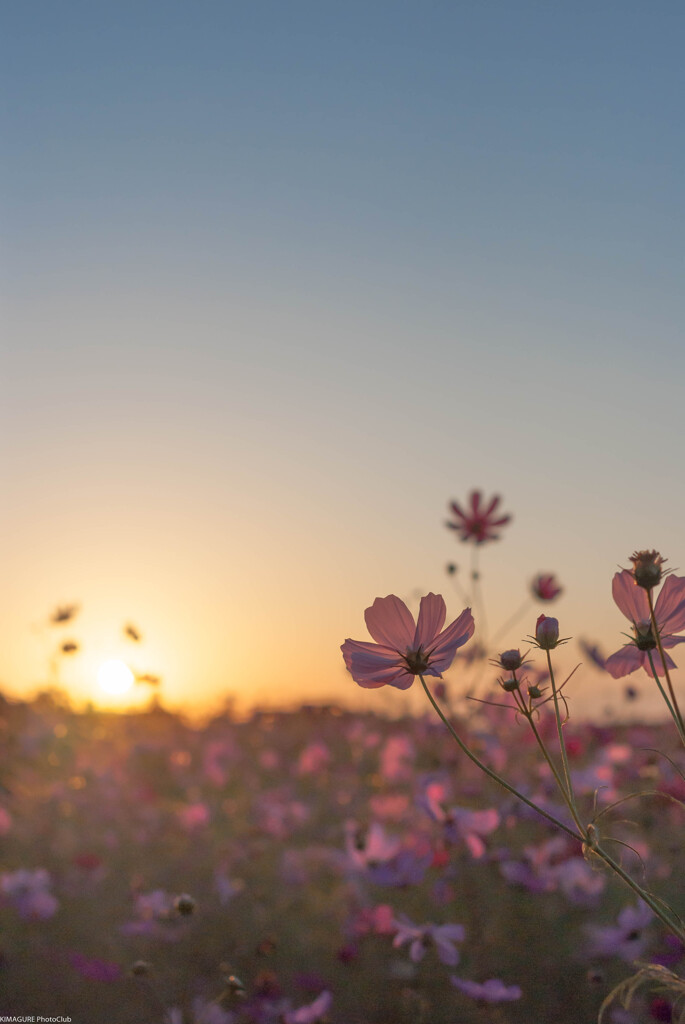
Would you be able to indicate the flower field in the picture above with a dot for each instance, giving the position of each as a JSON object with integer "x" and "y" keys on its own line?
{"x": 321, "y": 864}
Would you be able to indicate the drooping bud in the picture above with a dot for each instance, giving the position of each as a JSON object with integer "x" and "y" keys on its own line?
{"x": 547, "y": 632}
{"x": 647, "y": 568}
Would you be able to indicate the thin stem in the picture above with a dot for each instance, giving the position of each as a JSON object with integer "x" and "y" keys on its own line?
{"x": 674, "y": 716}
{"x": 513, "y": 619}
{"x": 581, "y": 836}
{"x": 477, "y": 596}
{"x": 559, "y": 781}
{"x": 562, "y": 744}
{"x": 642, "y": 893}
{"x": 657, "y": 634}
{"x": 493, "y": 775}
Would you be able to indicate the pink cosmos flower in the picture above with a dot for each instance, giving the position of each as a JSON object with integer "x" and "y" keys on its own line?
{"x": 404, "y": 649}
{"x": 420, "y": 937}
{"x": 491, "y": 991}
{"x": 479, "y": 522}
{"x": 545, "y": 587}
{"x": 312, "y": 1012}
{"x": 669, "y": 611}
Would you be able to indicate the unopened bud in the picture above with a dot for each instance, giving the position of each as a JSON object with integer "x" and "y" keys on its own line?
{"x": 547, "y": 632}
{"x": 185, "y": 904}
{"x": 141, "y": 968}
{"x": 534, "y": 691}
{"x": 509, "y": 685}
{"x": 510, "y": 660}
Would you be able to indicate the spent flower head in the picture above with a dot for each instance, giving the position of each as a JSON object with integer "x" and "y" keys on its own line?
{"x": 647, "y": 568}
{"x": 477, "y": 522}
{"x": 669, "y": 612}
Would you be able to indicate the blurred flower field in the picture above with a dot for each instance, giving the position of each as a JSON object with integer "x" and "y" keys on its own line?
{"x": 321, "y": 864}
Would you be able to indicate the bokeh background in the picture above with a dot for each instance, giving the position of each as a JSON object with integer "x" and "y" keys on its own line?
{"x": 281, "y": 279}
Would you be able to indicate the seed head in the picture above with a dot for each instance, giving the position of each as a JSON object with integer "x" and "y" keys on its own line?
{"x": 647, "y": 568}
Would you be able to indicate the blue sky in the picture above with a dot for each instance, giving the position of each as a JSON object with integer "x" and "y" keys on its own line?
{"x": 282, "y": 278}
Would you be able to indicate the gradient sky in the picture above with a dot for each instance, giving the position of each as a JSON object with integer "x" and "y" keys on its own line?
{"x": 281, "y": 279}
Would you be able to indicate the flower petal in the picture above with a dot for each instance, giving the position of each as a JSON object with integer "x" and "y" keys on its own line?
{"x": 625, "y": 661}
{"x": 446, "y": 644}
{"x": 390, "y": 622}
{"x": 631, "y": 599}
{"x": 670, "y": 606}
{"x": 658, "y": 664}
{"x": 432, "y": 614}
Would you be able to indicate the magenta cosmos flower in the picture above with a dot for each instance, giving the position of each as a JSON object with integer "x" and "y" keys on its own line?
{"x": 403, "y": 648}
{"x": 545, "y": 587}
{"x": 669, "y": 612}
{"x": 479, "y": 522}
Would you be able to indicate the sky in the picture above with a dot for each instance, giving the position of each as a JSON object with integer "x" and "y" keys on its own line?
{"x": 280, "y": 280}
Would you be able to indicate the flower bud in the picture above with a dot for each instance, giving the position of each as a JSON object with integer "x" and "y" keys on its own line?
{"x": 141, "y": 968}
{"x": 547, "y": 632}
{"x": 509, "y": 685}
{"x": 647, "y": 568}
{"x": 185, "y": 904}
{"x": 534, "y": 691}
{"x": 511, "y": 660}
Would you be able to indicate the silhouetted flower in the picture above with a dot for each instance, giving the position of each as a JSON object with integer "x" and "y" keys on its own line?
{"x": 669, "y": 612}
{"x": 479, "y": 522}
{"x": 545, "y": 587}
{"x": 64, "y": 613}
{"x": 404, "y": 649}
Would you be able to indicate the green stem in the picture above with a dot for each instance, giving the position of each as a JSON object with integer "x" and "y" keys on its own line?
{"x": 562, "y": 745}
{"x": 582, "y": 836}
{"x": 559, "y": 781}
{"x": 657, "y": 633}
{"x": 512, "y": 620}
{"x": 674, "y": 716}
{"x": 493, "y": 775}
{"x": 653, "y": 904}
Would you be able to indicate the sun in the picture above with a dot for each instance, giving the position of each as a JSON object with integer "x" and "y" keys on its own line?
{"x": 115, "y": 677}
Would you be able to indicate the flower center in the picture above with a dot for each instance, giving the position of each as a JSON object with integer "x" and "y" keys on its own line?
{"x": 417, "y": 661}
{"x": 644, "y": 637}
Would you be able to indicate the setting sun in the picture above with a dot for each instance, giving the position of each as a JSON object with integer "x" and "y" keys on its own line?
{"x": 115, "y": 677}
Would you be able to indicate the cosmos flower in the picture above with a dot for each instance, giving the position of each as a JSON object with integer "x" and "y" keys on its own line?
{"x": 627, "y": 939}
{"x": 669, "y": 612}
{"x": 547, "y": 633}
{"x": 420, "y": 937}
{"x": 404, "y": 649}
{"x": 479, "y": 522}
{"x": 545, "y": 587}
{"x": 311, "y": 1012}
{"x": 491, "y": 991}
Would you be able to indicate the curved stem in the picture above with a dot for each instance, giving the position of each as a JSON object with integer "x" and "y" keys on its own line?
{"x": 493, "y": 775}
{"x": 559, "y": 781}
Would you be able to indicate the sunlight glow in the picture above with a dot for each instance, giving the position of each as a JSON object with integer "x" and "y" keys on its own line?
{"x": 115, "y": 677}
